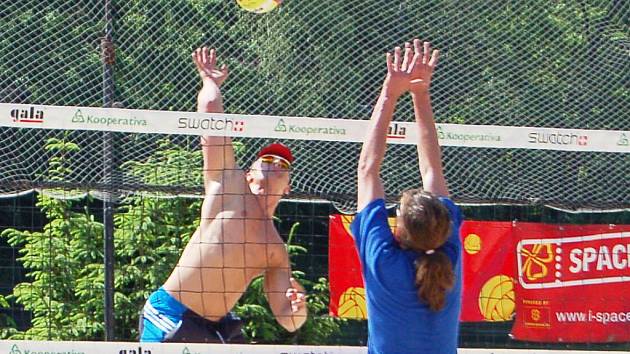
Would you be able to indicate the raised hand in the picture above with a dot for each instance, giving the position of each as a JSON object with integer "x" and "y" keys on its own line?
{"x": 410, "y": 70}
{"x": 398, "y": 78}
{"x": 423, "y": 62}
{"x": 206, "y": 62}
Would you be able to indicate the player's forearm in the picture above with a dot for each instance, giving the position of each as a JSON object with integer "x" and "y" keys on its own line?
{"x": 429, "y": 152}
{"x": 375, "y": 143}
{"x": 217, "y": 150}
{"x": 423, "y": 112}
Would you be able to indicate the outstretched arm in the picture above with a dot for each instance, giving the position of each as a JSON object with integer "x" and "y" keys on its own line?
{"x": 369, "y": 184}
{"x": 218, "y": 153}
{"x": 429, "y": 154}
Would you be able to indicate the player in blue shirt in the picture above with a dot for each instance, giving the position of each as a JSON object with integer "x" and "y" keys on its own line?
{"x": 413, "y": 277}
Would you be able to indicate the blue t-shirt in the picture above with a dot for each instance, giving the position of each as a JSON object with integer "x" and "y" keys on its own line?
{"x": 398, "y": 322}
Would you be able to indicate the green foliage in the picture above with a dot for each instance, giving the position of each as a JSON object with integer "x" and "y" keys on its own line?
{"x": 7, "y": 324}
{"x": 64, "y": 263}
{"x": 151, "y": 232}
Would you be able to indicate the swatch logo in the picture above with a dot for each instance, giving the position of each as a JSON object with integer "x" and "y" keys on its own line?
{"x": 221, "y": 124}
{"x": 557, "y": 138}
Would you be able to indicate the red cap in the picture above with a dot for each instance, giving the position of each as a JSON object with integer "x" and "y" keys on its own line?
{"x": 277, "y": 149}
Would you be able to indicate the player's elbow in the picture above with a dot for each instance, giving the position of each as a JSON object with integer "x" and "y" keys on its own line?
{"x": 291, "y": 322}
{"x": 289, "y": 326}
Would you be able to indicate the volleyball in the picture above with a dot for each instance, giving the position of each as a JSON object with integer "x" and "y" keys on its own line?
{"x": 472, "y": 244}
{"x": 496, "y": 299}
{"x": 258, "y": 6}
{"x": 352, "y": 304}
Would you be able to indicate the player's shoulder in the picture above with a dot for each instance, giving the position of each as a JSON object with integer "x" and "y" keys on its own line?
{"x": 228, "y": 182}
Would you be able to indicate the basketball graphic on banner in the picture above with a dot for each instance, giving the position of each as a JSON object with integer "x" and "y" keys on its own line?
{"x": 352, "y": 304}
{"x": 496, "y": 299}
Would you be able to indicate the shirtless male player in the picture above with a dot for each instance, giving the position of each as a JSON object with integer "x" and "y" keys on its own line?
{"x": 235, "y": 242}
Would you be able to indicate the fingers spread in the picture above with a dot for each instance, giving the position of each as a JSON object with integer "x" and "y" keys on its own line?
{"x": 434, "y": 58}
{"x": 425, "y": 52}
{"x": 414, "y": 62}
{"x": 204, "y": 55}
{"x": 417, "y": 47}
{"x": 212, "y": 58}
{"x": 396, "y": 59}
{"x": 390, "y": 65}
{"x": 196, "y": 55}
{"x": 407, "y": 57}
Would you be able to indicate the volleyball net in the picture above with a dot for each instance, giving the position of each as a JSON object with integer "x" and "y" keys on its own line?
{"x": 562, "y": 167}
{"x": 531, "y": 104}
{"x": 147, "y": 164}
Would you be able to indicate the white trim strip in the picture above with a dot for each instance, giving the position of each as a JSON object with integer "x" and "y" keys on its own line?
{"x": 305, "y": 128}
{"x": 150, "y": 317}
{"x": 152, "y": 309}
{"x": 78, "y": 347}
{"x": 159, "y": 321}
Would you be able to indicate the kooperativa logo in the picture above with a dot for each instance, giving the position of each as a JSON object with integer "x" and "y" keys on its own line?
{"x": 623, "y": 140}
{"x": 282, "y": 127}
{"x": 29, "y": 115}
{"x": 16, "y": 350}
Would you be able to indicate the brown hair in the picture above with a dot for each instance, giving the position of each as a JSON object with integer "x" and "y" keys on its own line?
{"x": 426, "y": 226}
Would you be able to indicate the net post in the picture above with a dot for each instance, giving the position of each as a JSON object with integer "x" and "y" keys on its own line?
{"x": 107, "y": 52}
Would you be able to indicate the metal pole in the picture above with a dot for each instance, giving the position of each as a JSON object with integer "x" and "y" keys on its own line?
{"x": 108, "y": 167}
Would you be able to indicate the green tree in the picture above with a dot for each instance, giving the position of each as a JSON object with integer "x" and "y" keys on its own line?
{"x": 64, "y": 263}
{"x": 7, "y": 324}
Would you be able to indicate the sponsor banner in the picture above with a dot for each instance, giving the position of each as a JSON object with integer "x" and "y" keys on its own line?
{"x": 67, "y": 347}
{"x": 304, "y": 128}
{"x": 573, "y": 283}
{"x": 558, "y": 283}
{"x": 489, "y": 271}
{"x": 488, "y": 279}
{"x": 54, "y": 347}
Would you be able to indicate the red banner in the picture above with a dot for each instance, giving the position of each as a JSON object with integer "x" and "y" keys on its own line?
{"x": 563, "y": 282}
{"x": 347, "y": 294}
{"x": 488, "y": 279}
{"x": 573, "y": 283}
{"x": 489, "y": 271}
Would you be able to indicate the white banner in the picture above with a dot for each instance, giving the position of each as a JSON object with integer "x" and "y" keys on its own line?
{"x": 304, "y": 128}
{"x": 58, "y": 347}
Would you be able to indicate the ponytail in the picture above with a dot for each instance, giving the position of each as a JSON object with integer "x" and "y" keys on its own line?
{"x": 426, "y": 226}
{"x": 434, "y": 277}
